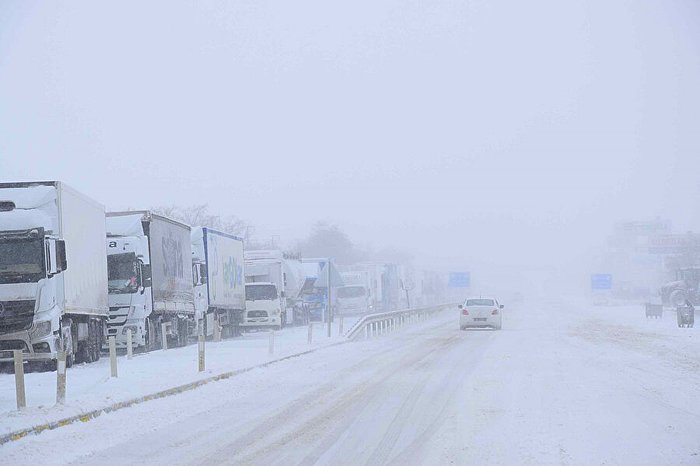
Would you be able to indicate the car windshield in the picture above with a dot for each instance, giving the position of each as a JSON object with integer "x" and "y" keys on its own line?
{"x": 260, "y": 292}
{"x": 21, "y": 260}
{"x": 122, "y": 273}
{"x": 351, "y": 292}
{"x": 480, "y": 302}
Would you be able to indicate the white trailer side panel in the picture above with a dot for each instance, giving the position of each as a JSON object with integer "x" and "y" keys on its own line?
{"x": 82, "y": 226}
{"x": 171, "y": 266}
{"x": 225, "y": 270}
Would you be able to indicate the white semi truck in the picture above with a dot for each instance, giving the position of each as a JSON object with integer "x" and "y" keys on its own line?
{"x": 150, "y": 279}
{"x": 219, "y": 280}
{"x": 53, "y": 273}
{"x": 273, "y": 280}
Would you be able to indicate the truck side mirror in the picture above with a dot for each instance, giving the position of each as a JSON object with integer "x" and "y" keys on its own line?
{"x": 62, "y": 263}
{"x": 146, "y": 274}
{"x": 459, "y": 307}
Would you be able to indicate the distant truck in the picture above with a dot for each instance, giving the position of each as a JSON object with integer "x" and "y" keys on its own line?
{"x": 150, "y": 279}
{"x": 384, "y": 284}
{"x": 354, "y": 296}
{"x": 219, "y": 280}
{"x": 53, "y": 273}
{"x": 314, "y": 292}
{"x": 686, "y": 286}
{"x": 273, "y": 281}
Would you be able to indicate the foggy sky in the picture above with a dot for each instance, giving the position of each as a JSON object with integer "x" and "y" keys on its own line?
{"x": 468, "y": 132}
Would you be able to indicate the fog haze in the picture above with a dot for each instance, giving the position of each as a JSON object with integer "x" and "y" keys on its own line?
{"x": 497, "y": 134}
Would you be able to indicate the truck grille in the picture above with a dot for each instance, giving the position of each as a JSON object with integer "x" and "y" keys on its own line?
{"x": 257, "y": 313}
{"x": 117, "y": 316}
{"x": 16, "y": 315}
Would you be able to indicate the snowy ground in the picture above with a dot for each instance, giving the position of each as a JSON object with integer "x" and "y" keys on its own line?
{"x": 89, "y": 386}
{"x": 561, "y": 384}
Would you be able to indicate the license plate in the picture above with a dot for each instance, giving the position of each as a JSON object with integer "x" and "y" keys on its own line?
{"x": 480, "y": 319}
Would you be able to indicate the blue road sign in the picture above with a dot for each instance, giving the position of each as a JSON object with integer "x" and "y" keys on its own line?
{"x": 459, "y": 280}
{"x": 601, "y": 281}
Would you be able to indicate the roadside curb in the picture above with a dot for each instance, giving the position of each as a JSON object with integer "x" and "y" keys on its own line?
{"x": 85, "y": 417}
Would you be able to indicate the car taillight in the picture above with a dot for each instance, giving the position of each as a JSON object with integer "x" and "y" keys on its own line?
{"x": 465, "y": 312}
{"x": 494, "y": 312}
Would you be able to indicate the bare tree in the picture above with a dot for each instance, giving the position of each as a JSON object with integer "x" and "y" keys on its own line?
{"x": 199, "y": 215}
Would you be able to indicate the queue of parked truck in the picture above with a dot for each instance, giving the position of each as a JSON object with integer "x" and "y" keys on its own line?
{"x": 73, "y": 275}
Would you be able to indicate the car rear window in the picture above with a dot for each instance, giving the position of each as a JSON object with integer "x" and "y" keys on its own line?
{"x": 480, "y": 302}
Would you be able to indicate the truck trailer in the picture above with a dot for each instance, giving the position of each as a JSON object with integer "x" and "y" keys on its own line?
{"x": 219, "y": 280}
{"x": 53, "y": 273}
{"x": 150, "y": 279}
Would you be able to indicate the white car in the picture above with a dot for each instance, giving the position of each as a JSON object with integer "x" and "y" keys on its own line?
{"x": 480, "y": 312}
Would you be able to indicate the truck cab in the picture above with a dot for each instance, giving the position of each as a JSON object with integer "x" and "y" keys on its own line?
{"x": 264, "y": 305}
{"x": 129, "y": 286}
{"x": 31, "y": 262}
{"x": 352, "y": 299}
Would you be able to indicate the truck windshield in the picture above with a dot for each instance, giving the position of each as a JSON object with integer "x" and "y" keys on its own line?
{"x": 22, "y": 260}
{"x": 351, "y": 292}
{"x": 122, "y": 272}
{"x": 260, "y": 292}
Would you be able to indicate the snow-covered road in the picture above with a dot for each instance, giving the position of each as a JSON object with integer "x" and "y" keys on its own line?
{"x": 561, "y": 384}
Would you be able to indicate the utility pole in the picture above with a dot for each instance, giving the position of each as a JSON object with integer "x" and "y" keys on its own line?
{"x": 329, "y": 314}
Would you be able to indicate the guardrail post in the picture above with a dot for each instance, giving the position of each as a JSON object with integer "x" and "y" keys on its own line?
{"x": 113, "y": 356}
{"x": 271, "y": 349}
{"x": 61, "y": 378}
{"x": 340, "y": 325}
{"x": 19, "y": 379}
{"x": 200, "y": 347}
{"x": 309, "y": 335}
{"x": 129, "y": 345}
{"x": 164, "y": 335}
{"x": 366, "y": 332}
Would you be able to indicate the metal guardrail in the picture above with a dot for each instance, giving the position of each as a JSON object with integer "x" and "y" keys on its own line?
{"x": 385, "y": 322}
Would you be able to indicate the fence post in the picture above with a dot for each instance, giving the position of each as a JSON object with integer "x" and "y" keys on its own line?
{"x": 164, "y": 335}
{"x": 129, "y": 345}
{"x": 200, "y": 345}
{"x": 340, "y": 326}
{"x": 61, "y": 378}
{"x": 113, "y": 356}
{"x": 366, "y": 332}
{"x": 271, "y": 349}
{"x": 309, "y": 336}
{"x": 19, "y": 379}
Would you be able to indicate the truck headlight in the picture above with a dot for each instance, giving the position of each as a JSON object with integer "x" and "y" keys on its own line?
{"x": 41, "y": 329}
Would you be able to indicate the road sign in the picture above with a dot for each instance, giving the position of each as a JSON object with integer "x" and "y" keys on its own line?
{"x": 459, "y": 280}
{"x": 601, "y": 281}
